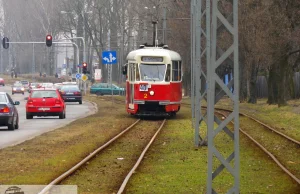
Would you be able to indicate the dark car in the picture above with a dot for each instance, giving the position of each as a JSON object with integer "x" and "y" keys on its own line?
{"x": 71, "y": 93}
{"x": 106, "y": 89}
{"x": 8, "y": 112}
{"x": 18, "y": 88}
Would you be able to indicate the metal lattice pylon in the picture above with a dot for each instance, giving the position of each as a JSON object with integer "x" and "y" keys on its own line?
{"x": 207, "y": 22}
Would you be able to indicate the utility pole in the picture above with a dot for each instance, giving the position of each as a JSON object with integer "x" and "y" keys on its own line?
{"x": 204, "y": 48}
{"x": 145, "y": 30}
{"x": 165, "y": 26}
{"x": 33, "y": 60}
{"x": 1, "y": 55}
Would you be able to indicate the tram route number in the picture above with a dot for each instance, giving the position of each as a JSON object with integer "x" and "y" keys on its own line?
{"x": 143, "y": 87}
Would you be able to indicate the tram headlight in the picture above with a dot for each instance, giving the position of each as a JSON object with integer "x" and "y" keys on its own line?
{"x": 151, "y": 93}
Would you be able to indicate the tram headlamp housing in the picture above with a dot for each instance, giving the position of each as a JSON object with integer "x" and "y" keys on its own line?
{"x": 152, "y": 93}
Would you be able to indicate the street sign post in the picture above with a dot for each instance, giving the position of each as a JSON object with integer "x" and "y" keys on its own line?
{"x": 109, "y": 58}
{"x": 84, "y": 77}
{"x": 78, "y": 76}
{"x": 98, "y": 75}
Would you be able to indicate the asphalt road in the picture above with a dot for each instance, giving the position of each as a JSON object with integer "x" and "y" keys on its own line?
{"x": 29, "y": 129}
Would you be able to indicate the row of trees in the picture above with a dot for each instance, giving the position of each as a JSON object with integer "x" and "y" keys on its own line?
{"x": 269, "y": 46}
{"x": 268, "y": 35}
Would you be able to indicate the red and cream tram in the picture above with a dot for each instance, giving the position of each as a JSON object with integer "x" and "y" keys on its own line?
{"x": 153, "y": 84}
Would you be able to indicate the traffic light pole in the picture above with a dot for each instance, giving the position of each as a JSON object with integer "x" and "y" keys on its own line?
{"x": 53, "y": 43}
{"x": 84, "y": 56}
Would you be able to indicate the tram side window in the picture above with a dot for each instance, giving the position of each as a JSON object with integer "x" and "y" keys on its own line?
{"x": 131, "y": 72}
{"x": 137, "y": 71}
{"x": 176, "y": 70}
{"x": 168, "y": 73}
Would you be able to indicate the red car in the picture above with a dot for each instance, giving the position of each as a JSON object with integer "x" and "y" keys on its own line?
{"x": 2, "y": 82}
{"x": 45, "y": 102}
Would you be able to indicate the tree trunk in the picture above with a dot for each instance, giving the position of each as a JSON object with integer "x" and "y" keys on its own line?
{"x": 243, "y": 83}
{"x": 283, "y": 84}
{"x": 272, "y": 85}
{"x": 253, "y": 79}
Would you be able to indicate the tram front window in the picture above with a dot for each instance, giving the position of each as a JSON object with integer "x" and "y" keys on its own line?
{"x": 151, "y": 72}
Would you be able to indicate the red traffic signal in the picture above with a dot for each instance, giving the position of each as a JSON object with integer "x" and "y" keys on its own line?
{"x": 49, "y": 40}
{"x": 84, "y": 67}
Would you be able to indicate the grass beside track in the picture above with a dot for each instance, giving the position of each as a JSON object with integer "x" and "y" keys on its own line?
{"x": 173, "y": 165}
{"x": 40, "y": 160}
{"x": 286, "y": 119}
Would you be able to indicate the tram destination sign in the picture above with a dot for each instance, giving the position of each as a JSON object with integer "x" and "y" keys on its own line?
{"x": 152, "y": 59}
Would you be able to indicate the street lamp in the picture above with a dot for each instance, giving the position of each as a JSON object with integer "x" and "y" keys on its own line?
{"x": 83, "y": 16}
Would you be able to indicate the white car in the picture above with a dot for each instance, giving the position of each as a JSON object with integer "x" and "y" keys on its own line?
{"x": 25, "y": 83}
{"x": 47, "y": 85}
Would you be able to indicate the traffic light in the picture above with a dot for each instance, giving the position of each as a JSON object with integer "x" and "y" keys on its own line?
{"x": 84, "y": 67}
{"x": 49, "y": 40}
{"x": 5, "y": 42}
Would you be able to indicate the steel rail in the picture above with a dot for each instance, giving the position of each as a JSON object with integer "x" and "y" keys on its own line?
{"x": 267, "y": 152}
{"x": 260, "y": 122}
{"x": 121, "y": 190}
{"x": 265, "y": 125}
{"x": 86, "y": 159}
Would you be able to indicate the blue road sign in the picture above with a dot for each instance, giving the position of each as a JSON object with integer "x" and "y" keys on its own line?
{"x": 64, "y": 65}
{"x": 79, "y": 65}
{"x": 78, "y": 76}
{"x": 109, "y": 57}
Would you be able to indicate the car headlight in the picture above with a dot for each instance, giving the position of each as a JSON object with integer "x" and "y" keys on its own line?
{"x": 22, "y": 89}
{"x": 14, "y": 88}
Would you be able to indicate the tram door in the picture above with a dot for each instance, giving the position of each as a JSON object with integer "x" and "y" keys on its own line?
{"x": 131, "y": 72}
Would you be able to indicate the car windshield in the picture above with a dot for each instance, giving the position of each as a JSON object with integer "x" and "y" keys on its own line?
{"x": 70, "y": 88}
{"x": 44, "y": 94}
{"x": 33, "y": 84}
{"x": 114, "y": 86}
{"x": 151, "y": 72}
{"x": 18, "y": 85}
{"x": 24, "y": 82}
{"x": 96, "y": 85}
{"x": 3, "y": 98}
{"x": 47, "y": 85}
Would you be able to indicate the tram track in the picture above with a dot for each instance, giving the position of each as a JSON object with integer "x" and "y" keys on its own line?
{"x": 130, "y": 136}
{"x": 258, "y": 121}
{"x": 264, "y": 137}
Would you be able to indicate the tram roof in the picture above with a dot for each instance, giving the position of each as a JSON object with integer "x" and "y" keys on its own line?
{"x": 153, "y": 51}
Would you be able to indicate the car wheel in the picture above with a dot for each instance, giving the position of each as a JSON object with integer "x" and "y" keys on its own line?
{"x": 12, "y": 93}
{"x": 11, "y": 126}
{"x": 99, "y": 93}
{"x": 23, "y": 93}
{"x": 62, "y": 115}
{"x": 17, "y": 124}
{"x": 80, "y": 102}
{"x": 28, "y": 116}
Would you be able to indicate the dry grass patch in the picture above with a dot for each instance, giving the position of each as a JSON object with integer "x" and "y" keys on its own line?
{"x": 40, "y": 160}
{"x": 285, "y": 119}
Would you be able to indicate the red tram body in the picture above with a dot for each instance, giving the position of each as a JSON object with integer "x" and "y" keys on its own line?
{"x": 154, "y": 82}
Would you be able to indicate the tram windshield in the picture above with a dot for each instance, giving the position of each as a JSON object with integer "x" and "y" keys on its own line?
{"x": 152, "y": 72}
